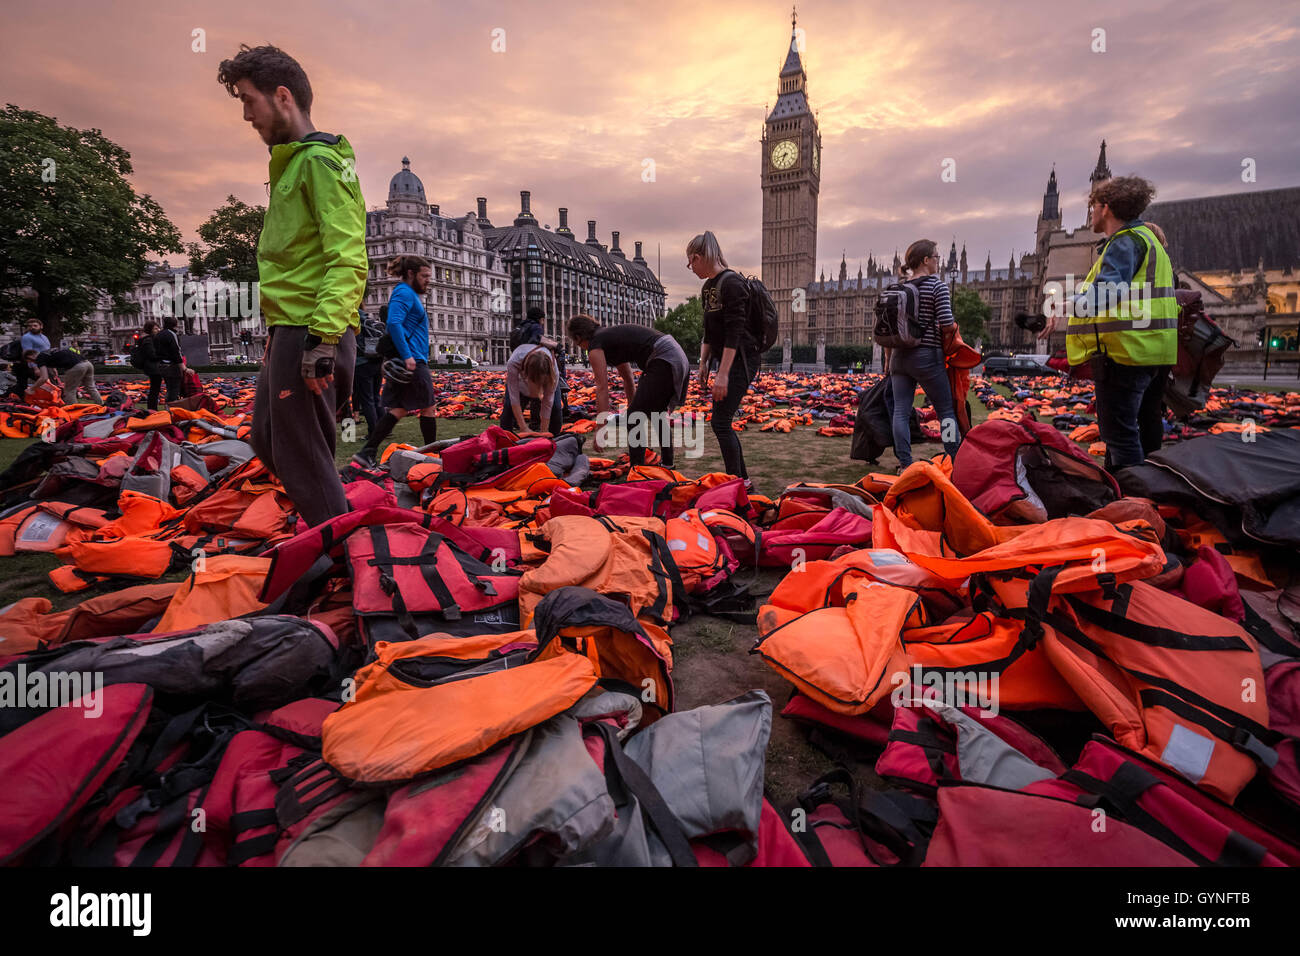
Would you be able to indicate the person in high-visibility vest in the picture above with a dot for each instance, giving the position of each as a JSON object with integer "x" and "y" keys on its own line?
{"x": 1124, "y": 321}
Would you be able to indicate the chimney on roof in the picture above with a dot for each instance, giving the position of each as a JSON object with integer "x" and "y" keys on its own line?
{"x": 615, "y": 250}
{"x": 482, "y": 211}
{"x": 525, "y": 217}
{"x": 638, "y": 258}
{"x": 434, "y": 209}
{"x": 564, "y": 229}
{"x": 591, "y": 233}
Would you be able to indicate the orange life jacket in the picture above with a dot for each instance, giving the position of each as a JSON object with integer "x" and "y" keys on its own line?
{"x": 628, "y": 557}
{"x": 227, "y": 587}
{"x": 845, "y": 657}
{"x": 1171, "y": 680}
{"x": 699, "y": 560}
{"x": 924, "y": 511}
{"x": 400, "y": 727}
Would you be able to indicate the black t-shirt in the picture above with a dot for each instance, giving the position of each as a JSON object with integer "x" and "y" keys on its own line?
{"x": 625, "y": 343}
{"x": 725, "y": 299}
{"x": 59, "y": 359}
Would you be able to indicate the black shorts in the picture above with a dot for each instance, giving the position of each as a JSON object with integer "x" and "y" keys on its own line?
{"x": 411, "y": 396}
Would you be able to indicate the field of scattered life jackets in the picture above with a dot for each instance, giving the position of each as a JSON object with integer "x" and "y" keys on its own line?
{"x": 480, "y": 663}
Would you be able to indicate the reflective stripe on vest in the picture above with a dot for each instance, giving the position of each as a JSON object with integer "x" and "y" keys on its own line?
{"x": 1150, "y": 339}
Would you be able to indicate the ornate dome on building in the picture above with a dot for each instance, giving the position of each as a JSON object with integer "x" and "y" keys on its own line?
{"x": 405, "y": 184}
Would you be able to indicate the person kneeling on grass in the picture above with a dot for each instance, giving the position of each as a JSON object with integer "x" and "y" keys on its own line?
{"x": 532, "y": 373}
{"x": 409, "y": 386}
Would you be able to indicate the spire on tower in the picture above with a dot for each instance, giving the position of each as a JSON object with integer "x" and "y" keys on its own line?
{"x": 1051, "y": 199}
{"x": 1103, "y": 170}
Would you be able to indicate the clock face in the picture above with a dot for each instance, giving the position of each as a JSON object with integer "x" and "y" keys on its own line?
{"x": 785, "y": 154}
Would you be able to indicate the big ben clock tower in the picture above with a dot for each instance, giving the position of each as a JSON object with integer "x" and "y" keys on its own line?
{"x": 791, "y": 164}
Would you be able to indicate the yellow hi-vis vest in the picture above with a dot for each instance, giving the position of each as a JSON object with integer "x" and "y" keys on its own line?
{"x": 1140, "y": 331}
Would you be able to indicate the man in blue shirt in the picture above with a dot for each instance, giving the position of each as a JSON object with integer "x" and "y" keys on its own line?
{"x": 35, "y": 339}
{"x": 408, "y": 327}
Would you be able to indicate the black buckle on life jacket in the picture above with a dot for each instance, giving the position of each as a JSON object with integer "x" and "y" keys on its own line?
{"x": 1245, "y": 741}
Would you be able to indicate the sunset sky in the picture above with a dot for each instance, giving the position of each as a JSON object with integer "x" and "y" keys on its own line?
{"x": 585, "y": 92}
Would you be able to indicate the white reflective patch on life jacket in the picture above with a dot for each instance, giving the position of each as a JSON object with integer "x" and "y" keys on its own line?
{"x": 40, "y": 527}
{"x": 1188, "y": 752}
{"x": 676, "y": 544}
{"x": 883, "y": 557}
{"x": 708, "y": 514}
{"x": 703, "y": 541}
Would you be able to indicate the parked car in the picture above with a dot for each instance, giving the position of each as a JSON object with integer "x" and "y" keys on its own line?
{"x": 1016, "y": 365}
{"x": 455, "y": 358}
{"x": 118, "y": 360}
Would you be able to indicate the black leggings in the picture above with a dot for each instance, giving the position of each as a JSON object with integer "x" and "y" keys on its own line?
{"x": 743, "y": 370}
{"x": 654, "y": 393}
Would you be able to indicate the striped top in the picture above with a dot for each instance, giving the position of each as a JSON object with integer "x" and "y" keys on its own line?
{"x": 935, "y": 305}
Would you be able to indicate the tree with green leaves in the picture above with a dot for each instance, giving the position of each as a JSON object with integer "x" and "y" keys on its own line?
{"x": 229, "y": 247}
{"x": 685, "y": 323}
{"x": 71, "y": 225}
{"x": 972, "y": 315}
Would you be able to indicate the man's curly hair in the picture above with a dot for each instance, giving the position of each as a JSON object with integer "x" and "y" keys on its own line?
{"x": 268, "y": 67}
{"x": 1127, "y": 196}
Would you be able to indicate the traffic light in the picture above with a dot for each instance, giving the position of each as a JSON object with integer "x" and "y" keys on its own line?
{"x": 1275, "y": 342}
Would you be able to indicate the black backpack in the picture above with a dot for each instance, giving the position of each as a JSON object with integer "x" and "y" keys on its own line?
{"x": 763, "y": 324}
{"x": 898, "y": 317}
{"x": 525, "y": 333}
{"x": 12, "y": 351}
{"x": 142, "y": 353}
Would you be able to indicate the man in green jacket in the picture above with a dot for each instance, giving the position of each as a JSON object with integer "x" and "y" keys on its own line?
{"x": 311, "y": 263}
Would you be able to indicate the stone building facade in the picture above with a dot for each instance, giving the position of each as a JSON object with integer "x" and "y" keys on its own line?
{"x": 564, "y": 276}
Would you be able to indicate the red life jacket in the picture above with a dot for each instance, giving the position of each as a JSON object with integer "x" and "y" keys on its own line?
{"x": 293, "y": 558}
{"x": 476, "y": 459}
{"x": 986, "y": 826}
{"x": 46, "y": 786}
{"x": 783, "y": 546}
{"x": 421, "y": 579}
{"x": 1027, "y": 471}
{"x": 1164, "y": 805}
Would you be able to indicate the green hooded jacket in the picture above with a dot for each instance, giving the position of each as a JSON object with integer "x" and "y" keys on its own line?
{"x": 311, "y": 256}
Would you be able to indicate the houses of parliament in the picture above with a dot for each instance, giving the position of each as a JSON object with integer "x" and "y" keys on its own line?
{"x": 1241, "y": 249}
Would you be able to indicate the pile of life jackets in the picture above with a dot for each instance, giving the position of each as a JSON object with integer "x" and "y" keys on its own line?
{"x": 1015, "y": 588}
{"x": 474, "y": 666}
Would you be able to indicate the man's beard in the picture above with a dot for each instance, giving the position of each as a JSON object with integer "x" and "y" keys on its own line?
{"x": 280, "y": 131}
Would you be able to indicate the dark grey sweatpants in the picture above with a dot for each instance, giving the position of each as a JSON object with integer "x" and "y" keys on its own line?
{"x": 294, "y": 430}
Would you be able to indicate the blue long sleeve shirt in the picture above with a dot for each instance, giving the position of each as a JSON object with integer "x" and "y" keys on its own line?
{"x": 408, "y": 323}
{"x": 35, "y": 342}
{"x": 1118, "y": 267}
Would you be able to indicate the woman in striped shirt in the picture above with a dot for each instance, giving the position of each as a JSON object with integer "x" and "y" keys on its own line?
{"x": 924, "y": 363}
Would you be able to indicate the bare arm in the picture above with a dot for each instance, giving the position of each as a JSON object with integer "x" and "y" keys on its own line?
{"x": 512, "y": 395}
{"x": 629, "y": 383}
{"x": 601, "y": 372}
